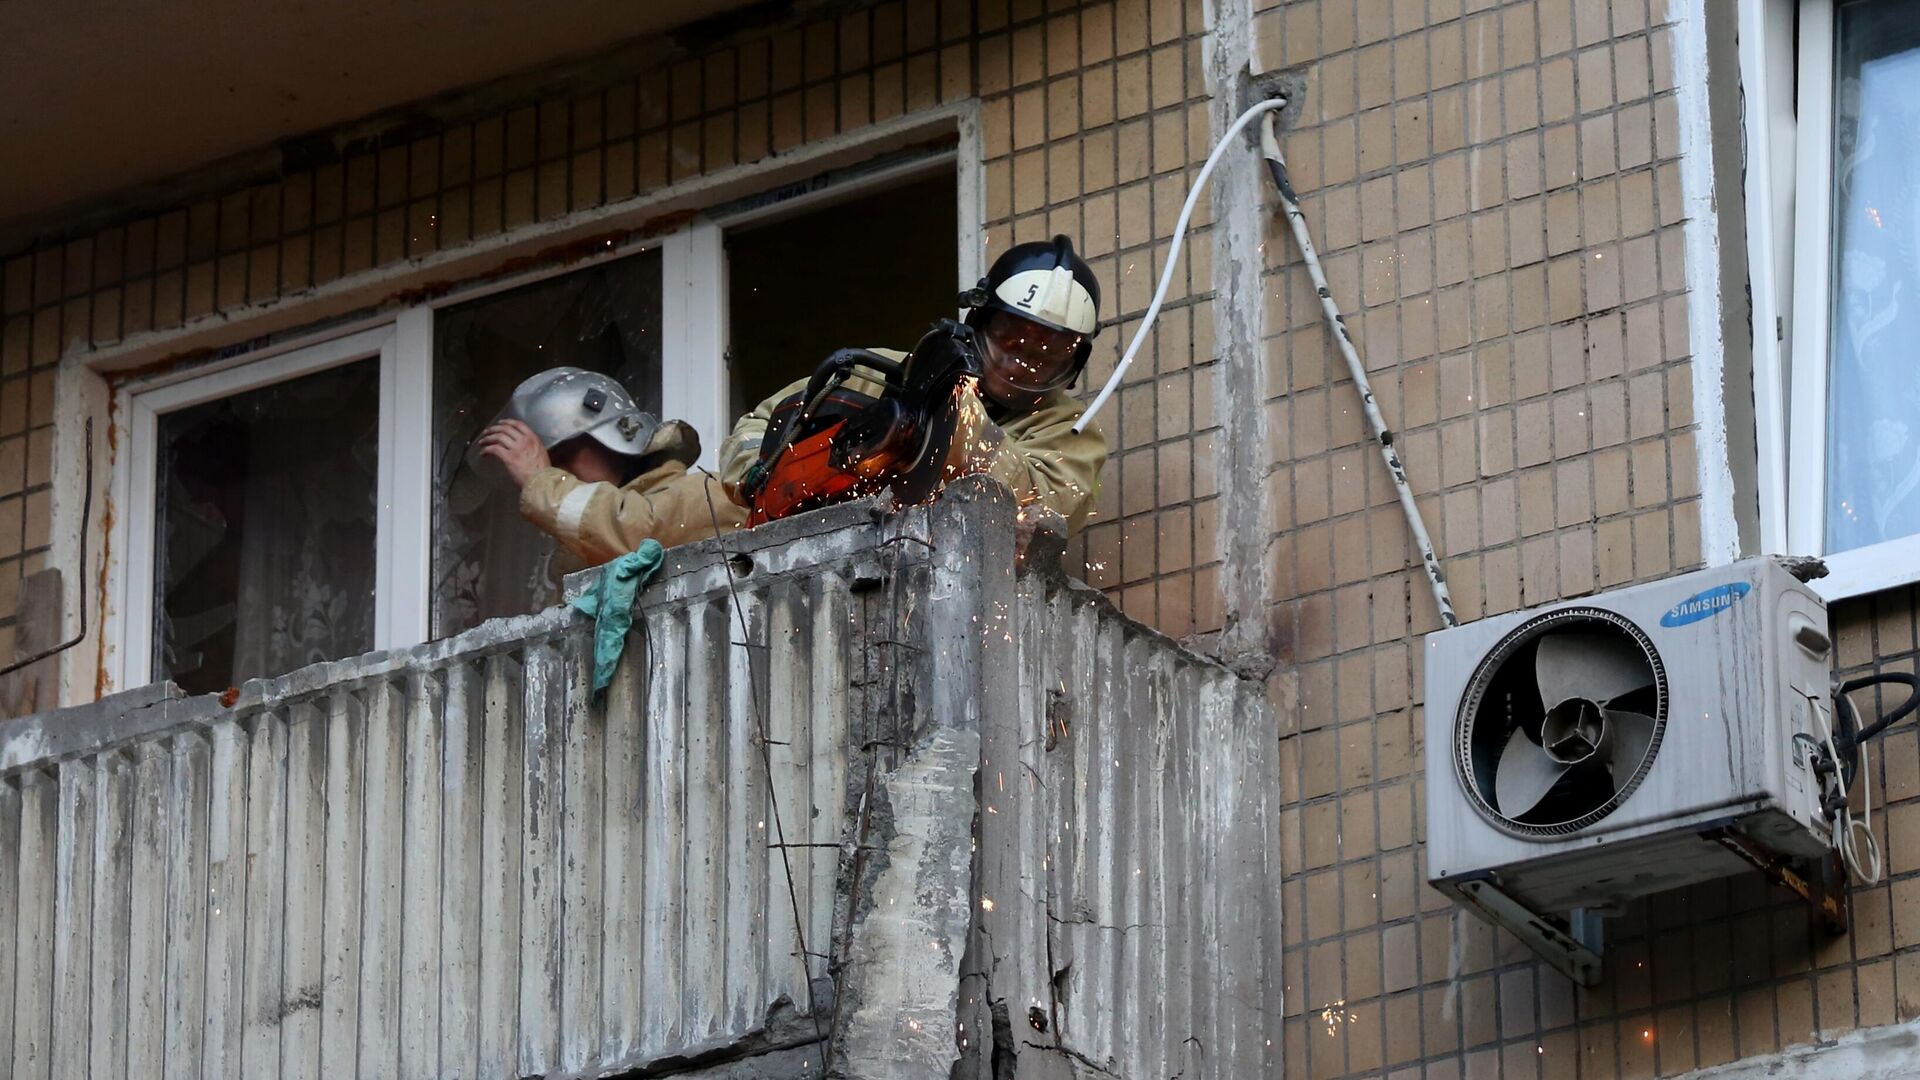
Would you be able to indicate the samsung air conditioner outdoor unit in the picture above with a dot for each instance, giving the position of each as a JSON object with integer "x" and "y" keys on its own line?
{"x": 1590, "y": 752}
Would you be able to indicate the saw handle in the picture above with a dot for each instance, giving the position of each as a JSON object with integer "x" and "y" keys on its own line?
{"x": 888, "y": 440}
{"x": 831, "y": 372}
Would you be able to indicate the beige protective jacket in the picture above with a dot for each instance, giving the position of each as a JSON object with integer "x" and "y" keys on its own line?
{"x": 1041, "y": 458}
{"x": 599, "y": 522}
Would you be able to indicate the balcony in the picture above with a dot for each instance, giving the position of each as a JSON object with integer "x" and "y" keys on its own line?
{"x": 860, "y": 801}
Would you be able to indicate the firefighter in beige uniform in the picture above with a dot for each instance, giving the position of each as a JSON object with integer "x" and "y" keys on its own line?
{"x": 598, "y": 474}
{"x": 1034, "y": 314}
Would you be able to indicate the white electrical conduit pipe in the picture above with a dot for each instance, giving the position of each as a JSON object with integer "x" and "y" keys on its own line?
{"x": 1173, "y": 257}
{"x": 1376, "y": 424}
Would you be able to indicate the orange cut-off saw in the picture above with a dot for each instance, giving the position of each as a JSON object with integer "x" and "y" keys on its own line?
{"x": 830, "y": 443}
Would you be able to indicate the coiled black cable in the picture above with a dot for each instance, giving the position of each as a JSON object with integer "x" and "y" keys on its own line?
{"x": 1848, "y": 733}
{"x": 1887, "y": 720}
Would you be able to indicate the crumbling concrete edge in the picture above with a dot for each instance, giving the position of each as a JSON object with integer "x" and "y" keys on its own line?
{"x": 899, "y": 984}
{"x": 1239, "y": 352}
{"x": 799, "y": 1062}
{"x": 785, "y": 1037}
{"x": 1879, "y": 1053}
{"x": 898, "y": 980}
{"x": 1054, "y": 579}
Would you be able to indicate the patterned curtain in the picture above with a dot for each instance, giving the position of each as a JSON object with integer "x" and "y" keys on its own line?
{"x": 267, "y": 529}
{"x": 1873, "y": 460}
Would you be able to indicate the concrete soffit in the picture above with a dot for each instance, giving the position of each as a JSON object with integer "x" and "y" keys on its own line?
{"x": 591, "y": 50}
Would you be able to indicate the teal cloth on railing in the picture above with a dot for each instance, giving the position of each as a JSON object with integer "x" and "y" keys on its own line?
{"x": 610, "y": 603}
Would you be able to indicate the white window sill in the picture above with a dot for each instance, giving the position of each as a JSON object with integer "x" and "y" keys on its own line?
{"x": 1866, "y": 570}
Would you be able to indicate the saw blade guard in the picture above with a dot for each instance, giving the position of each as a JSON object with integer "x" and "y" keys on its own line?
{"x": 899, "y": 441}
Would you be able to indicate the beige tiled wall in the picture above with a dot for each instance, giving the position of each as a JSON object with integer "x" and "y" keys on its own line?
{"x": 1495, "y": 186}
{"x": 1496, "y": 189}
{"x": 1094, "y": 132}
{"x": 29, "y": 348}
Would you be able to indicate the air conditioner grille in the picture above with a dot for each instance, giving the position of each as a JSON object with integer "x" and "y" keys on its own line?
{"x": 1561, "y": 722}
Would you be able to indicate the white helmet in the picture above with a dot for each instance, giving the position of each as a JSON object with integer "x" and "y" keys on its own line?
{"x": 1045, "y": 284}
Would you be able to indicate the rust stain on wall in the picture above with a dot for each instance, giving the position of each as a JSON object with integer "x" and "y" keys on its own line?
{"x": 107, "y": 514}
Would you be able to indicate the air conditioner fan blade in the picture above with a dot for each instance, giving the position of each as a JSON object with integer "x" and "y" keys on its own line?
{"x": 1591, "y": 667}
{"x": 1632, "y": 733}
{"x": 1524, "y": 776}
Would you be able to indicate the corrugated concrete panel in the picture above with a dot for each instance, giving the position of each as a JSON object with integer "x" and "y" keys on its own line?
{"x": 1128, "y": 921}
{"x": 849, "y": 764}
{"x": 446, "y": 861}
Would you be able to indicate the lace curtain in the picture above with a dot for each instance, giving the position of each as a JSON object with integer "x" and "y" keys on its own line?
{"x": 487, "y": 560}
{"x": 265, "y": 550}
{"x": 1873, "y": 424}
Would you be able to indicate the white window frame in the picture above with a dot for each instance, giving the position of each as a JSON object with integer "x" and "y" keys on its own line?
{"x": 695, "y": 386}
{"x": 1789, "y": 223}
{"x": 143, "y": 402}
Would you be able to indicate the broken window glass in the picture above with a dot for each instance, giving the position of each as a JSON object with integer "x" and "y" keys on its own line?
{"x": 487, "y": 560}
{"x": 266, "y": 523}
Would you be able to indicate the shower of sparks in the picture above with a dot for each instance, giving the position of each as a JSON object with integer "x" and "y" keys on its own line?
{"x": 1335, "y": 1015}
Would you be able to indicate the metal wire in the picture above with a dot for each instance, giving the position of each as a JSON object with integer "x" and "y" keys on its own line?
{"x": 86, "y": 512}
{"x": 1337, "y": 327}
{"x": 766, "y": 760}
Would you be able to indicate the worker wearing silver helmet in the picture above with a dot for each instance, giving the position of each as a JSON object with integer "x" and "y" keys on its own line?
{"x": 597, "y": 473}
{"x": 1034, "y": 315}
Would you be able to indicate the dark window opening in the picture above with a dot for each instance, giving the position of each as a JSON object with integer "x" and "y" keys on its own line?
{"x": 266, "y": 529}
{"x": 873, "y": 271}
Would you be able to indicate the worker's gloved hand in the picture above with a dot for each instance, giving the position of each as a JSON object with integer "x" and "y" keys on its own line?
{"x": 975, "y": 437}
{"x": 734, "y": 479}
{"x": 1038, "y": 519}
{"x": 517, "y": 449}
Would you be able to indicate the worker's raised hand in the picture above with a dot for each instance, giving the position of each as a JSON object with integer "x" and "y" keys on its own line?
{"x": 517, "y": 449}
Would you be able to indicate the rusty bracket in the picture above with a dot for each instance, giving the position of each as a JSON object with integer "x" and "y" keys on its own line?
{"x": 1551, "y": 939}
{"x": 1824, "y": 890}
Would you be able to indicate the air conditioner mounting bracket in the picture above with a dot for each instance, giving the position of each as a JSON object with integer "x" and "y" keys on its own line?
{"x": 1822, "y": 886}
{"x": 1557, "y": 942}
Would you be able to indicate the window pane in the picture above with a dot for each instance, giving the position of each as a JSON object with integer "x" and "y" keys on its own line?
{"x": 781, "y": 331}
{"x": 1873, "y": 420}
{"x": 487, "y": 560}
{"x": 265, "y": 545}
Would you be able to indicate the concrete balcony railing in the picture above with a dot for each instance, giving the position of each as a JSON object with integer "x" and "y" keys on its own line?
{"x": 1020, "y": 831}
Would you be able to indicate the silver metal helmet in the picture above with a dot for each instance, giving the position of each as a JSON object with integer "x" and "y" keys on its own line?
{"x": 565, "y": 403}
